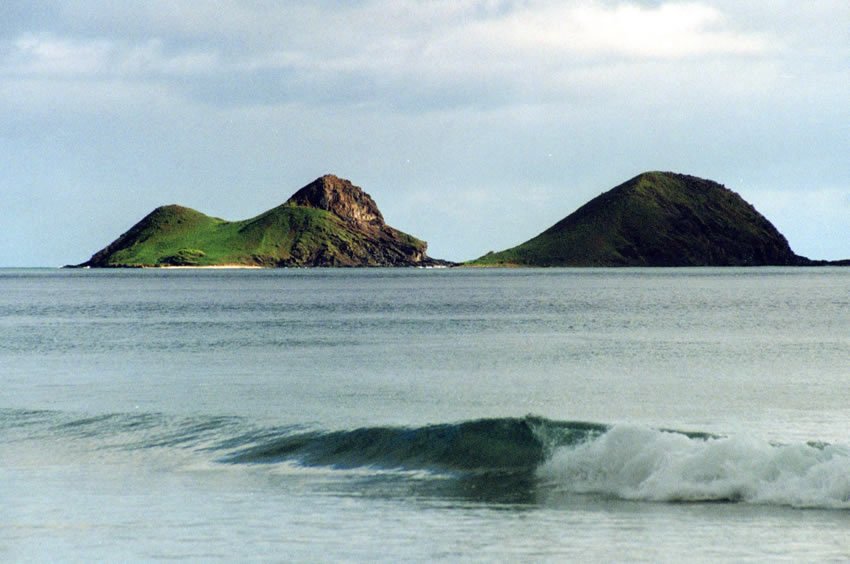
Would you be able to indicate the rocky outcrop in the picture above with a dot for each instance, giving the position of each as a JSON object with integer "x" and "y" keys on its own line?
{"x": 341, "y": 198}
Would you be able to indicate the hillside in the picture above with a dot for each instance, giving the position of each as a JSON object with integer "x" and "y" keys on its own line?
{"x": 329, "y": 222}
{"x": 656, "y": 219}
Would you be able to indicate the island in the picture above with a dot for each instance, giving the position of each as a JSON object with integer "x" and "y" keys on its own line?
{"x": 328, "y": 222}
{"x": 658, "y": 219}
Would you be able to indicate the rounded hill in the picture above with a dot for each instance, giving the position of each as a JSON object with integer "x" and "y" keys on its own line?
{"x": 656, "y": 219}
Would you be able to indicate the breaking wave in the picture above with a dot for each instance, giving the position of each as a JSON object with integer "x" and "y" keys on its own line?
{"x": 639, "y": 463}
{"x": 500, "y": 454}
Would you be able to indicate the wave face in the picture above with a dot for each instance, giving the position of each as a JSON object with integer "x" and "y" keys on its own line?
{"x": 498, "y": 445}
{"x": 638, "y": 463}
{"x": 505, "y": 445}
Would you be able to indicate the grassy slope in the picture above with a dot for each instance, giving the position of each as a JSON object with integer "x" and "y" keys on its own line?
{"x": 654, "y": 219}
{"x": 286, "y": 234}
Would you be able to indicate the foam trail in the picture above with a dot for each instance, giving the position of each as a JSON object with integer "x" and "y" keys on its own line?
{"x": 639, "y": 463}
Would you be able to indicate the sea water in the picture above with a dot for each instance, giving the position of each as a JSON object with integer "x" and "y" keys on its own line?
{"x": 420, "y": 415}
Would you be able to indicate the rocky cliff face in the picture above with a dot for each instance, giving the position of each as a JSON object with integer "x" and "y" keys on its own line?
{"x": 341, "y": 198}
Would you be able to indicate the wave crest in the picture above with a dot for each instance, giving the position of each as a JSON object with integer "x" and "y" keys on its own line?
{"x": 639, "y": 463}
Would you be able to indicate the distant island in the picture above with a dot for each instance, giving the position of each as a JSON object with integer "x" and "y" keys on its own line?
{"x": 658, "y": 219}
{"x": 329, "y": 222}
{"x": 654, "y": 219}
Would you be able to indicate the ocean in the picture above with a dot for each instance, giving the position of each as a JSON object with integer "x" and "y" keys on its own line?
{"x": 406, "y": 415}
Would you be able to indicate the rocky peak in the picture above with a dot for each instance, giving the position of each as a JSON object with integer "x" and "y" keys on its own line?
{"x": 342, "y": 198}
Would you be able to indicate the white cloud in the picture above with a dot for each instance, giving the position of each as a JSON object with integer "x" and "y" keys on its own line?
{"x": 31, "y": 54}
{"x": 44, "y": 75}
{"x": 412, "y": 56}
{"x": 631, "y": 31}
{"x": 670, "y": 31}
{"x": 391, "y": 35}
{"x": 441, "y": 54}
{"x": 46, "y": 55}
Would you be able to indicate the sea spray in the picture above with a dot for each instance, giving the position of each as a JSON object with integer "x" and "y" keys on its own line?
{"x": 639, "y": 463}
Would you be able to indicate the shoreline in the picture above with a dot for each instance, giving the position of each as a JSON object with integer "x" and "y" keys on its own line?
{"x": 209, "y": 266}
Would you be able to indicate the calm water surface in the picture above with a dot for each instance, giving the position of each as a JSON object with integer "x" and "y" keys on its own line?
{"x": 366, "y": 415}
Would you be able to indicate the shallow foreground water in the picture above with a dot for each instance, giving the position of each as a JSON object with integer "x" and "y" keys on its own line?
{"x": 405, "y": 415}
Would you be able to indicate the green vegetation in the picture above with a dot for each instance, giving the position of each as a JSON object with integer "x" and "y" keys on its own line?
{"x": 186, "y": 257}
{"x": 284, "y": 236}
{"x": 656, "y": 219}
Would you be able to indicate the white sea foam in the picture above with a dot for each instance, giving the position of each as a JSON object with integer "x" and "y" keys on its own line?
{"x": 639, "y": 463}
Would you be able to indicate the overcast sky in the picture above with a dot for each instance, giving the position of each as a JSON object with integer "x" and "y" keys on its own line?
{"x": 473, "y": 124}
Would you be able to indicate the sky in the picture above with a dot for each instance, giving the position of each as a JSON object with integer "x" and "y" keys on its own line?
{"x": 474, "y": 124}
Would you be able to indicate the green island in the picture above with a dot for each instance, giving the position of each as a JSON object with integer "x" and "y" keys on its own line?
{"x": 329, "y": 222}
{"x": 658, "y": 219}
